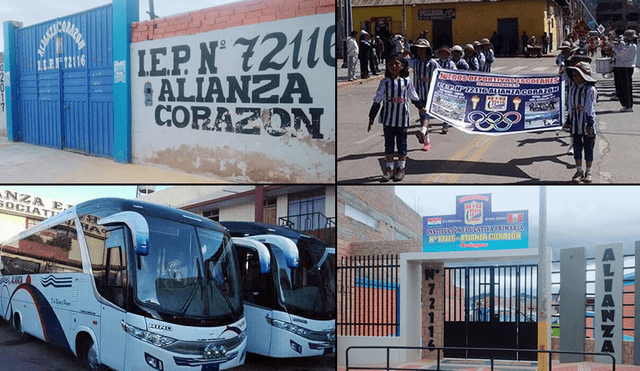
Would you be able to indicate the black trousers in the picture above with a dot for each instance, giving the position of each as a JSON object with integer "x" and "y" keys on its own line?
{"x": 622, "y": 78}
{"x": 364, "y": 67}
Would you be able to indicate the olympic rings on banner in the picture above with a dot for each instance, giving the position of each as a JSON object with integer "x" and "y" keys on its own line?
{"x": 494, "y": 120}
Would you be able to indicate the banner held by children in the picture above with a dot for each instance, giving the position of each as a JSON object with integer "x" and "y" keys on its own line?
{"x": 493, "y": 104}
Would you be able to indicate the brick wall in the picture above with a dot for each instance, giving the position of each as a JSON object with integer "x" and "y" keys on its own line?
{"x": 226, "y": 16}
{"x": 381, "y": 200}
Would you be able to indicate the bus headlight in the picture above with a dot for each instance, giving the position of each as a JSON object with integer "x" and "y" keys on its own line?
{"x": 288, "y": 327}
{"x": 149, "y": 337}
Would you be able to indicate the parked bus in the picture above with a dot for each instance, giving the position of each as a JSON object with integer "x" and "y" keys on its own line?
{"x": 291, "y": 312}
{"x": 129, "y": 285}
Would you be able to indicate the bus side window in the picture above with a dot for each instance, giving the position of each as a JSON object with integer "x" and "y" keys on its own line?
{"x": 114, "y": 282}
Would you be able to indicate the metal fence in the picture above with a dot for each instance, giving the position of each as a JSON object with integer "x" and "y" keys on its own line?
{"x": 314, "y": 223}
{"x": 368, "y": 293}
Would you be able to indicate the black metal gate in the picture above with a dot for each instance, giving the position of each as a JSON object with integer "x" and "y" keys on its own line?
{"x": 491, "y": 307}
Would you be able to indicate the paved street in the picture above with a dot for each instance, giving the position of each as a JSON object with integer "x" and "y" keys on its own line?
{"x": 462, "y": 158}
{"x": 36, "y": 355}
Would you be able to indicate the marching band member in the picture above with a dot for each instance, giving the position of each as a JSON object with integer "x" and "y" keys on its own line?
{"x": 624, "y": 62}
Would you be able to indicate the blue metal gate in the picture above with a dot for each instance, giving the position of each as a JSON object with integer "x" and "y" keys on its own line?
{"x": 65, "y": 82}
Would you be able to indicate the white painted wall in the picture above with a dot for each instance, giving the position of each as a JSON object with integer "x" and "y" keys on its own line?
{"x": 244, "y": 212}
{"x": 261, "y": 142}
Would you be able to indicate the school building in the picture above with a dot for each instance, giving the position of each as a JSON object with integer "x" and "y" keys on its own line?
{"x": 451, "y": 22}
{"x": 242, "y": 92}
{"x": 391, "y": 293}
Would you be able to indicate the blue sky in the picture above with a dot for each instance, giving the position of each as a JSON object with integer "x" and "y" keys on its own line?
{"x": 576, "y": 216}
{"x": 31, "y": 12}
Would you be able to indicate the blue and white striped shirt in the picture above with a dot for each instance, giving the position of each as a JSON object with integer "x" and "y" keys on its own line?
{"x": 394, "y": 94}
{"x": 582, "y": 107}
{"x": 422, "y": 73}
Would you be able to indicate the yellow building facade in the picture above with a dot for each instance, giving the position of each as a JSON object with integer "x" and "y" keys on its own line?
{"x": 462, "y": 22}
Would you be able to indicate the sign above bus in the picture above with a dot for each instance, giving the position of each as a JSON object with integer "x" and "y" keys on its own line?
{"x": 475, "y": 226}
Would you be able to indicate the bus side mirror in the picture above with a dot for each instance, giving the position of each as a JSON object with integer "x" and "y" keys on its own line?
{"x": 264, "y": 256}
{"x": 138, "y": 226}
{"x": 287, "y": 246}
{"x": 327, "y": 251}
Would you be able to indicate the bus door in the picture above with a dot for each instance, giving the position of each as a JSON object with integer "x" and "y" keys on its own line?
{"x": 114, "y": 290}
{"x": 258, "y": 292}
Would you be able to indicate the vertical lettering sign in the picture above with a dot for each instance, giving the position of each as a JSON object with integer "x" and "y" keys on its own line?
{"x": 476, "y": 227}
{"x": 275, "y": 79}
{"x": 430, "y": 304}
{"x": 608, "y": 302}
{"x": 2, "y": 100}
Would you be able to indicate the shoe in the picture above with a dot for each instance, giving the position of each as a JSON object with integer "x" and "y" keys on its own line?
{"x": 399, "y": 175}
{"x": 626, "y": 109}
{"x": 387, "y": 175}
{"x": 427, "y": 146}
{"x": 570, "y": 150}
{"x": 445, "y": 128}
{"x": 420, "y": 137}
{"x": 587, "y": 178}
{"x": 577, "y": 177}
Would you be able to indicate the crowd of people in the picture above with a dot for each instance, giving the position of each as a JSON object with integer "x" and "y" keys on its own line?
{"x": 397, "y": 89}
{"x": 370, "y": 51}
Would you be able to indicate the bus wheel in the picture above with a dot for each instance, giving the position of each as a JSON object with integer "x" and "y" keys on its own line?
{"x": 17, "y": 324}
{"x": 89, "y": 355}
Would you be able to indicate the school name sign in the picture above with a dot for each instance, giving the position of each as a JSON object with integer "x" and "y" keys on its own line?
{"x": 475, "y": 227}
{"x": 266, "y": 87}
{"x": 493, "y": 104}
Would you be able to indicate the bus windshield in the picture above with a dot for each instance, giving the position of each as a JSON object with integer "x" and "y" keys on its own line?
{"x": 310, "y": 289}
{"x": 189, "y": 273}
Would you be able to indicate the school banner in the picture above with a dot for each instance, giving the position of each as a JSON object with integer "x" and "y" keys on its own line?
{"x": 475, "y": 226}
{"x": 493, "y": 104}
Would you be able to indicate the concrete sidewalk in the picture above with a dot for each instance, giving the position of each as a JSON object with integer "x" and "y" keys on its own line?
{"x": 28, "y": 163}
{"x": 485, "y": 365}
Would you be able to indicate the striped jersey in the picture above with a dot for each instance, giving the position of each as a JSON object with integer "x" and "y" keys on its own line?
{"x": 394, "y": 94}
{"x": 447, "y": 64}
{"x": 582, "y": 107}
{"x": 490, "y": 57}
{"x": 482, "y": 60}
{"x": 422, "y": 73}
{"x": 462, "y": 64}
{"x": 472, "y": 61}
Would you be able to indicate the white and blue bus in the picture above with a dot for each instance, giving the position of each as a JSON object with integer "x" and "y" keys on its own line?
{"x": 130, "y": 286}
{"x": 291, "y": 311}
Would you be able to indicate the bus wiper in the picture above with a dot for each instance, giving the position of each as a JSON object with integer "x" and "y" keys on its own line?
{"x": 192, "y": 293}
{"x": 226, "y": 298}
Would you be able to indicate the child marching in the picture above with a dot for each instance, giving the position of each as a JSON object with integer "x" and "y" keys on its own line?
{"x": 582, "y": 118}
{"x": 394, "y": 92}
{"x": 423, "y": 66}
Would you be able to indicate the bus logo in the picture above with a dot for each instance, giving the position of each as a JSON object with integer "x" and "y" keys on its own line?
{"x": 160, "y": 327}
